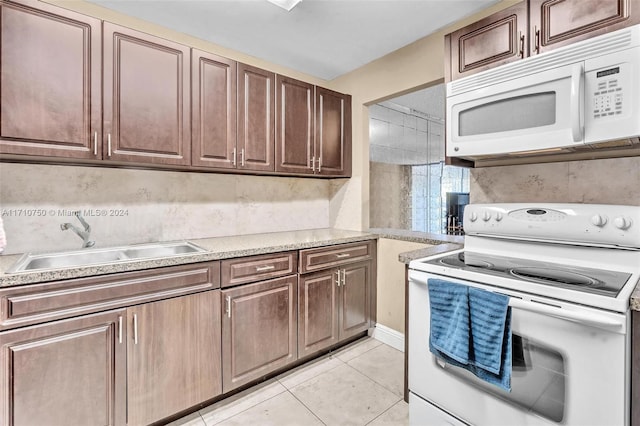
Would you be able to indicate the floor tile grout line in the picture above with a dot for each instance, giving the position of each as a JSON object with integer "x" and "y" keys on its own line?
{"x": 372, "y": 379}
{"x": 312, "y": 377}
{"x": 248, "y": 408}
{"x": 381, "y": 414}
{"x": 308, "y": 408}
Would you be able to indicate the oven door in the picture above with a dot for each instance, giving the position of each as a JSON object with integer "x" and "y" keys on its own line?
{"x": 541, "y": 111}
{"x": 570, "y": 365}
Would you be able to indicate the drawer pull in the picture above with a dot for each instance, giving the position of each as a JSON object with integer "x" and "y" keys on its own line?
{"x": 343, "y": 255}
{"x": 265, "y": 268}
{"x": 135, "y": 329}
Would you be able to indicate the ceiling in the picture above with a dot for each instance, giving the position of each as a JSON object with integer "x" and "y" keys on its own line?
{"x": 323, "y": 38}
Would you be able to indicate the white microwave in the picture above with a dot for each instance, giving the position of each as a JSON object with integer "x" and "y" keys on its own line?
{"x": 578, "y": 95}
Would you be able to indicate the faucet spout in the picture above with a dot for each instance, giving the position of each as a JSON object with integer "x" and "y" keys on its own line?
{"x": 84, "y": 234}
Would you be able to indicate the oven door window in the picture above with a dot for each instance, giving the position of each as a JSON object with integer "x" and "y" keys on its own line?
{"x": 537, "y": 379}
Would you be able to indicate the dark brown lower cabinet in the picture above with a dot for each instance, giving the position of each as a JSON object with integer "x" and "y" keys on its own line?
{"x": 173, "y": 360}
{"x": 334, "y": 304}
{"x": 258, "y": 330}
{"x": 68, "y": 372}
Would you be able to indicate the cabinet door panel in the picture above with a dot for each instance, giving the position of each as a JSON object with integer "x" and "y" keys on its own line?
{"x": 355, "y": 299}
{"x": 258, "y": 330}
{"x": 294, "y": 125}
{"x": 147, "y": 115}
{"x": 51, "y": 82}
{"x": 318, "y": 316}
{"x": 495, "y": 40}
{"x": 175, "y": 363}
{"x": 256, "y": 118}
{"x": 69, "y": 372}
{"x": 333, "y": 133}
{"x": 214, "y": 110}
{"x": 561, "y": 22}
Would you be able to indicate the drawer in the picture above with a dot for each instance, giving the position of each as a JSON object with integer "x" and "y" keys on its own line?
{"x": 37, "y": 303}
{"x": 328, "y": 257}
{"x": 257, "y": 268}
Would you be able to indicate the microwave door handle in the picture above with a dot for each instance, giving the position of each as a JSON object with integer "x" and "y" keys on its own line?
{"x": 558, "y": 312}
{"x": 577, "y": 78}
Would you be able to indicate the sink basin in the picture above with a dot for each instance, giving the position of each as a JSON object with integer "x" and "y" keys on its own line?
{"x": 34, "y": 262}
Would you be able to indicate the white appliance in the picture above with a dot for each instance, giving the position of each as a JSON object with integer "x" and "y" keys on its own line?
{"x": 576, "y": 96}
{"x": 569, "y": 270}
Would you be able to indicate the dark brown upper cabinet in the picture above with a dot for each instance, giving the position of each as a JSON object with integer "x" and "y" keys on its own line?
{"x": 532, "y": 27}
{"x": 556, "y": 23}
{"x": 313, "y": 129}
{"x": 147, "y": 115}
{"x": 214, "y": 110}
{"x": 495, "y": 40}
{"x": 256, "y": 119}
{"x": 51, "y": 82}
{"x": 295, "y": 115}
{"x": 333, "y": 133}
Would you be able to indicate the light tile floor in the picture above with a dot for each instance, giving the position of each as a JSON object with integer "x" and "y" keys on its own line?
{"x": 358, "y": 385}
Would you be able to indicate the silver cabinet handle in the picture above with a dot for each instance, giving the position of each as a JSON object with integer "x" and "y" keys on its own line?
{"x": 242, "y": 157}
{"x": 521, "y": 45}
{"x": 233, "y": 157}
{"x": 344, "y": 277}
{"x": 108, "y": 144}
{"x": 95, "y": 143}
{"x": 537, "y": 39}
{"x": 319, "y": 164}
{"x": 228, "y": 302}
{"x": 265, "y": 268}
{"x": 120, "y": 329}
{"x": 343, "y": 255}
{"x": 313, "y": 163}
{"x": 135, "y": 328}
{"x": 338, "y": 277}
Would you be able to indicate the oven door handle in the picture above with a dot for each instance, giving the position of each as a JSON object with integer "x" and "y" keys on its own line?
{"x": 558, "y": 312}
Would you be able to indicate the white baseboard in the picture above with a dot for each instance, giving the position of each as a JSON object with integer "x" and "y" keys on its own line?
{"x": 387, "y": 335}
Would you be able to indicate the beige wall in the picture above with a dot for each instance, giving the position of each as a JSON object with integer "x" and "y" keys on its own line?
{"x": 391, "y": 282}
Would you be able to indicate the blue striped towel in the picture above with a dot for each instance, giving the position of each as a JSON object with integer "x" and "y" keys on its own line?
{"x": 471, "y": 329}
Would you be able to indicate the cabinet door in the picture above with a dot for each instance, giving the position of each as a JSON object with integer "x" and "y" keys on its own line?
{"x": 556, "y": 23}
{"x": 333, "y": 133}
{"x": 214, "y": 110}
{"x": 256, "y": 118}
{"x": 354, "y": 299}
{"x": 173, "y": 360}
{"x": 294, "y": 126}
{"x": 69, "y": 372}
{"x": 495, "y": 40}
{"x": 258, "y": 330}
{"x": 147, "y": 116}
{"x": 51, "y": 82}
{"x": 317, "y": 311}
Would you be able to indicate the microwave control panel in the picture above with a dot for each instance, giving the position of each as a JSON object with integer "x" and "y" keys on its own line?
{"x": 607, "y": 97}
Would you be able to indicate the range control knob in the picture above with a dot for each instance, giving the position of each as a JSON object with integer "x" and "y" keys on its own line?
{"x": 498, "y": 217}
{"x": 622, "y": 222}
{"x": 473, "y": 217}
{"x": 599, "y": 220}
{"x": 486, "y": 216}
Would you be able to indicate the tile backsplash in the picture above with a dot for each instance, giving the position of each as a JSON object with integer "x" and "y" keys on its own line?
{"x": 604, "y": 181}
{"x": 125, "y": 206}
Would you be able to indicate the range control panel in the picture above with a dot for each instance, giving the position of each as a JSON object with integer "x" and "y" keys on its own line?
{"x": 592, "y": 224}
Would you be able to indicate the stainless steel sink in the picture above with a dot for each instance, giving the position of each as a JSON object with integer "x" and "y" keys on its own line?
{"x": 34, "y": 262}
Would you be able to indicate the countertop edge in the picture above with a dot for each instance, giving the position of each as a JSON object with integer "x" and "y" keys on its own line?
{"x": 217, "y": 248}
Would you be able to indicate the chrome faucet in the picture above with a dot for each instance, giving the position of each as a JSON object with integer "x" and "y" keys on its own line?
{"x": 82, "y": 234}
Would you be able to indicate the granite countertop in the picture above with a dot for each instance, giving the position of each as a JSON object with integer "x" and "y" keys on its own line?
{"x": 216, "y": 249}
{"x": 417, "y": 237}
